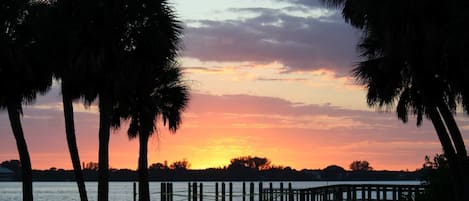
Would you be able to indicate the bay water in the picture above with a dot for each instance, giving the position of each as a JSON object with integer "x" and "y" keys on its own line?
{"x": 123, "y": 191}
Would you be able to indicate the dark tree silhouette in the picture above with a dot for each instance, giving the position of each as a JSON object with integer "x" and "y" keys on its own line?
{"x": 94, "y": 43}
{"x": 66, "y": 43}
{"x": 417, "y": 59}
{"x": 13, "y": 165}
{"x": 151, "y": 83}
{"x": 436, "y": 175}
{"x": 180, "y": 165}
{"x": 22, "y": 74}
{"x": 159, "y": 94}
{"x": 257, "y": 163}
{"x": 360, "y": 166}
{"x": 158, "y": 166}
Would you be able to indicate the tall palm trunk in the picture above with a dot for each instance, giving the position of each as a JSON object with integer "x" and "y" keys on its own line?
{"x": 453, "y": 130}
{"x": 26, "y": 172}
{"x": 105, "y": 110}
{"x": 461, "y": 153}
{"x": 449, "y": 151}
{"x": 72, "y": 143}
{"x": 143, "y": 186}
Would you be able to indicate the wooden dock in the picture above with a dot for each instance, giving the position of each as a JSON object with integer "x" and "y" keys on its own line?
{"x": 344, "y": 192}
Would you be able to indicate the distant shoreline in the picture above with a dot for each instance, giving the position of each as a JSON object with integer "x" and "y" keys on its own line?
{"x": 217, "y": 175}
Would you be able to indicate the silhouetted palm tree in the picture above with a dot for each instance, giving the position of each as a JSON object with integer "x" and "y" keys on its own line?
{"x": 22, "y": 73}
{"x": 158, "y": 94}
{"x": 413, "y": 58}
{"x": 152, "y": 86}
{"x": 67, "y": 43}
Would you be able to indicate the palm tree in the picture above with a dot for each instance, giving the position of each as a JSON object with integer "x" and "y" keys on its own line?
{"x": 412, "y": 59}
{"x": 91, "y": 47}
{"x": 158, "y": 93}
{"x": 67, "y": 46}
{"x": 22, "y": 73}
{"x": 152, "y": 86}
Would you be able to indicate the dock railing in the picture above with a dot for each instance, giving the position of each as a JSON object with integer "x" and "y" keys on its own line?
{"x": 341, "y": 192}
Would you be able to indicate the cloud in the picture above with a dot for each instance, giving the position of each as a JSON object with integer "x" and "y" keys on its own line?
{"x": 308, "y": 3}
{"x": 282, "y": 79}
{"x": 266, "y": 112}
{"x": 202, "y": 69}
{"x": 300, "y": 42}
{"x": 265, "y": 124}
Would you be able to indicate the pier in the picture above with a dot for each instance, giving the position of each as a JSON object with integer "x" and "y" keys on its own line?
{"x": 223, "y": 191}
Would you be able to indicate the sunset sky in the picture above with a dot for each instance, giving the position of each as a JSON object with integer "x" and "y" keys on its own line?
{"x": 268, "y": 78}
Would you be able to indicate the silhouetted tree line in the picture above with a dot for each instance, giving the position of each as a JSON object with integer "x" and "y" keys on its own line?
{"x": 415, "y": 57}
{"x": 122, "y": 53}
{"x": 245, "y": 168}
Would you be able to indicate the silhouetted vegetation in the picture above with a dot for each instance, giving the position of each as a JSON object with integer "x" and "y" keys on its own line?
{"x": 416, "y": 58}
{"x": 180, "y": 165}
{"x": 437, "y": 176}
{"x": 122, "y": 52}
{"x": 360, "y": 166}
{"x": 179, "y": 171}
{"x": 23, "y": 73}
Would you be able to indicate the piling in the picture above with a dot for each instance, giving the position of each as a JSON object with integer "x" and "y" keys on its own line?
{"x": 135, "y": 191}
{"x": 189, "y": 191}
{"x": 244, "y": 191}
{"x": 281, "y": 191}
{"x": 223, "y": 191}
{"x": 163, "y": 191}
{"x": 194, "y": 191}
{"x": 251, "y": 191}
{"x": 260, "y": 191}
{"x": 201, "y": 192}
{"x": 216, "y": 191}
{"x": 231, "y": 191}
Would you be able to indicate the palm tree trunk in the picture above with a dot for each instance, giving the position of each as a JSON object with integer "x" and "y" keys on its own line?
{"x": 449, "y": 151}
{"x": 26, "y": 172}
{"x": 105, "y": 109}
{"x": 143, "y": 186}
{"x": 462, "y": 160}
{"x": 72, "y": 143}
{"x": 454, "y": 130}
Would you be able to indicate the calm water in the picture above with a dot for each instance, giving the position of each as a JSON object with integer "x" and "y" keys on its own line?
{"x": 123, "y": 191}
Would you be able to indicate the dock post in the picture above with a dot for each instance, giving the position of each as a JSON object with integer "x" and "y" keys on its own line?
{"x": 271, "y": 192}
{"x": 369, "y": 193}
{"x": 251, "y": 191}
{"x": 216, "y": 191}
{"x": 163, "y": 191}
{"x": 325, "y": 195}
{"x": 385, "y": 192}
{"x": 194, "y": 191}
{"x": 349, "y": 194}
{"x": 290, "y": 192}
{"x": 281, "y": 192}
{"x": 201, "y": 192}
{"x": 354, "y": 193}
{"x": 170, "y": 195}
{"x": 378, "y": 193}
{"x": 260, "y": 191}
{"x": 135, "y": 191}
{"x": 363, "y": 192}
{"x": 223, "y": 191}
{"x": 231, "y": 191}
{"x": 302, "y": 195}
{"x": 188, "y": 191}
{"x": 399, "y": 193}
{"x": 244, "y": 191}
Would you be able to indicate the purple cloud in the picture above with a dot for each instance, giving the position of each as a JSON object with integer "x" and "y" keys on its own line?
{"x": 300, "y": 43}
